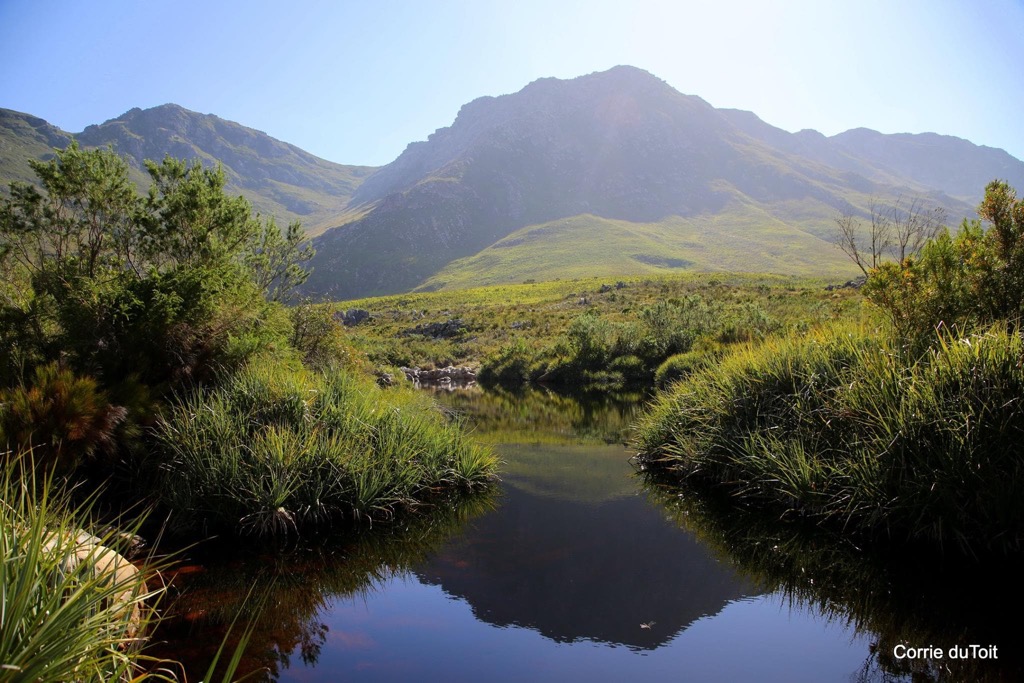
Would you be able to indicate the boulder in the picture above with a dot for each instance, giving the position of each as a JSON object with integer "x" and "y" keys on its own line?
{"x": 352, "y": 316}
{"x": 111, "y": 568}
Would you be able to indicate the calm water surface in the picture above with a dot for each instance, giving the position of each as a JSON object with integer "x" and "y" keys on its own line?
{"x": 559, "y": 582}
{"x": 572, "y": 570}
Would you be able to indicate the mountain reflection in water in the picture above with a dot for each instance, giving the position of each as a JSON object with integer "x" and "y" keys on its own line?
{"x": 574, "y": 569}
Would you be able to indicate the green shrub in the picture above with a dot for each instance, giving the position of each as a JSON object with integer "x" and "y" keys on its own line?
{"x": 319, "y": 339}
{"x": 62, "y": 417}
{"x": 958, "y": 282}
{"x": 510, "y": 366}
{"x": 166, "y": 288}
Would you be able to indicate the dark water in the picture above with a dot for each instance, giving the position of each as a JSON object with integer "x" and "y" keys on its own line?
{"x": 578, "y": 569}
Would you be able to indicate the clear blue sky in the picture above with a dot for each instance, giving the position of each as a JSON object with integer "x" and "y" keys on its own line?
{"x": 354, "y": 82}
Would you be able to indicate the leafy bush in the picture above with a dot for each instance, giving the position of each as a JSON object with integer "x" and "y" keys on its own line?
{"x": 319, "y": 339}
{"x": 973, "y": 278}
{"x": 510, "y": 366}
{"x": 166, "y": 288}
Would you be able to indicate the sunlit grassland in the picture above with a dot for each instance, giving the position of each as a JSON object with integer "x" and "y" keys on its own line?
{"x": 747, "y": 238}
{"x": 540, "y": 313}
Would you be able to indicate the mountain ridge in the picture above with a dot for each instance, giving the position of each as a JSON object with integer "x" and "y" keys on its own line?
{"x": 279, "y": 179}
{"x": 617, "y": 157}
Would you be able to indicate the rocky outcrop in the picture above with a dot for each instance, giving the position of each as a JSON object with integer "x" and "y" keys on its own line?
{"x": 352, "y": 316}
{"x": 441, "y": 330}
{"x": 855, "y": 283}
{"x": 447, "y": 376}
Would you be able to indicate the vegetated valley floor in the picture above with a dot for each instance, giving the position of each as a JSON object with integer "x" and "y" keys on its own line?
{"x": 539, "y": 313}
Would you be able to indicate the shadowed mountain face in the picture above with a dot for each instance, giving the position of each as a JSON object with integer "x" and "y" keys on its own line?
{"x": 624, "y": 152}
{"x": 280, "y": 180}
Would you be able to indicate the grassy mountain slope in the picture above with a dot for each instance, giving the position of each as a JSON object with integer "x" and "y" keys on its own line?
{"x": 744, "y": 238}
{"x": 24, "y": 137}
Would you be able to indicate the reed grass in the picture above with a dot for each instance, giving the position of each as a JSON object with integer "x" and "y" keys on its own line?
{"x": 840, "y": 425}
{"x": 70, "y": 608}
{"x": 277, "y": 448}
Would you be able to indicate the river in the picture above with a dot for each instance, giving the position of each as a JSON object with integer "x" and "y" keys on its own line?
{"x": 576, "y": 568}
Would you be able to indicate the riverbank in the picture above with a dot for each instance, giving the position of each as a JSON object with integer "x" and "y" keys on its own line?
{"x": 840, "y": 427}
{"x": 276, "y": 450}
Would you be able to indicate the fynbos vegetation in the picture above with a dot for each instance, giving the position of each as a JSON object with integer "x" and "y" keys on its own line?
{"x": 910, "y": 430}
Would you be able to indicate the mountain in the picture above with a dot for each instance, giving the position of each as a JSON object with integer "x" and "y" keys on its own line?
{"x": 925, "y": 161}
{"x": 612, "y": 173}
{"x": 616, "y": 172}
{"x": 280, "y": 180}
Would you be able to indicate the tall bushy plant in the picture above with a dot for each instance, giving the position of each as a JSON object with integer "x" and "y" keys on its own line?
{"x": 975, "y": 277}
{"x": 838, "y": 426}
{"x": 162, "y": 287}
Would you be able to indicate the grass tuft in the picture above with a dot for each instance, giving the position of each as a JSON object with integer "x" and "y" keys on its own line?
{"x": 276, "y": 448}
{"x": 838, "y": 425}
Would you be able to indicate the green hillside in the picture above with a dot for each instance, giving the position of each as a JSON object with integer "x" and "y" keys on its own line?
{"x": 745, "y": 238}
{"x": 24, "y": 137}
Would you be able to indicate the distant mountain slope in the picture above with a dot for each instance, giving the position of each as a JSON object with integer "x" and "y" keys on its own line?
{"x": 279, "y": 179}
{"x": 953, "y": 165}
{"x": 609, "y": 173}
{"x": 618, "y": 146}
{"x": 24, "y": 137}
{"x": 927, "y": 162}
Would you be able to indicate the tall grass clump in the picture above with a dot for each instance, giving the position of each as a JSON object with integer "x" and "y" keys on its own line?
{"x": 276, "y": 448}
{"x": 71, "y": 609}
{"x": 840, "y": 426}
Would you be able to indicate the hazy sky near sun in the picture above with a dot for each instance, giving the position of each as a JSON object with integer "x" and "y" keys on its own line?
{"x": 354, "y": 82}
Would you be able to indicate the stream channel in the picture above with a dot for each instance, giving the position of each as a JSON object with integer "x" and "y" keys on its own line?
{"x": 577, "y": 568}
